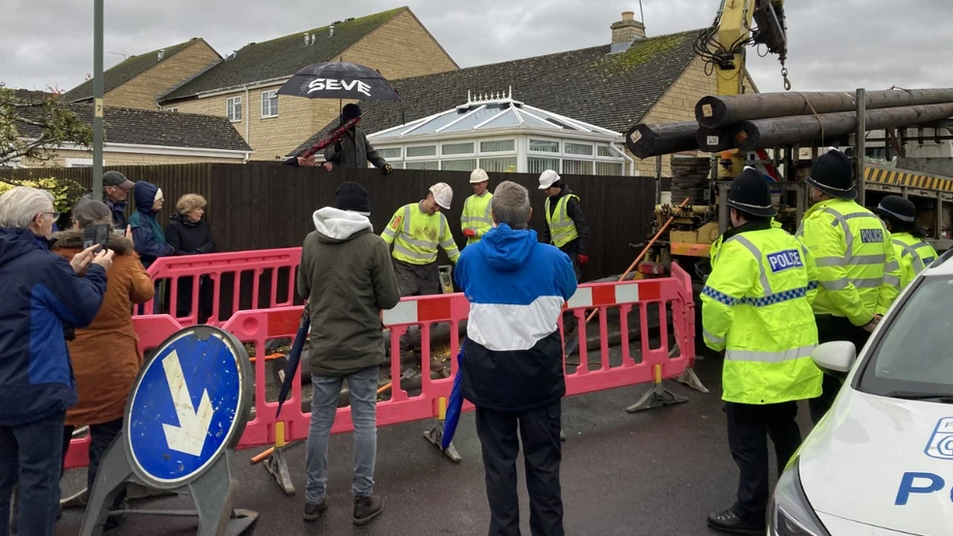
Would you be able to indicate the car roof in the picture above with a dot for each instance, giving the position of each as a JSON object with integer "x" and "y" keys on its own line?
{"x": 941, "y": 266}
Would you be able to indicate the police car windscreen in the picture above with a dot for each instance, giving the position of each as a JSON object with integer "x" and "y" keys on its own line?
{"x": 915, "y": 356}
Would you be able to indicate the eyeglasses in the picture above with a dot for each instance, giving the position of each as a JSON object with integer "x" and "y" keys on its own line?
{"x": 55, "y": 215}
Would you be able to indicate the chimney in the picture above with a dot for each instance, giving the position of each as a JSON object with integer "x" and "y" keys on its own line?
{"x": 625, "y": 31}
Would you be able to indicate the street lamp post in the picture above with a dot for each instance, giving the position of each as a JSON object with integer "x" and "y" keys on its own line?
{"x": 98, "y": 99}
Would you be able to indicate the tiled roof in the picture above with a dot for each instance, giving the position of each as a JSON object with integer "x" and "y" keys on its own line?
{"x": 153, "y": 127}
{"x": 125, "y": 71}
{"x": 30, "y": 94}
{"x": 613, "y": 91}
{"x": 283, "y": 56}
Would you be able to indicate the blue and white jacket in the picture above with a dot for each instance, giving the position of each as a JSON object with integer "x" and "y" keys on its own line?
{"x": 516, "y": 287}
{"x": 40, "y": 294}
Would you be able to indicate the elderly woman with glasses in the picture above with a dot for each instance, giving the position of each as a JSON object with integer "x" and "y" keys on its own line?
{"x": 188, "y": 234}
{"x": 43, "y": 297}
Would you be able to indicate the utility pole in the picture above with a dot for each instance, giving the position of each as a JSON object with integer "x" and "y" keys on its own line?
{"x": 860, "y": 144}
{"x": 98, "y": 100}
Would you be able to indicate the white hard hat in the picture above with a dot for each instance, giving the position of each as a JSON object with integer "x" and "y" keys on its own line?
{"x": 442, "y": 194}
{"x": 547, "y": 179}
{"x": 478, "y": 175}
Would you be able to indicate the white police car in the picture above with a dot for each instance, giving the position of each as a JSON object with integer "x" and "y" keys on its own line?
{"x": 881, "y": 462}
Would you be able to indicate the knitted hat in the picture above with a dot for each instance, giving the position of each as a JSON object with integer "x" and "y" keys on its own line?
{"x": 350, "y": 111}
{"x": 833, "y": 174}
{"x": 352, "y": 196}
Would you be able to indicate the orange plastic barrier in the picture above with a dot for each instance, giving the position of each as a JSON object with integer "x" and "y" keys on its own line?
{"x": 669, "y": 295}
{"x": 280, "y": 266}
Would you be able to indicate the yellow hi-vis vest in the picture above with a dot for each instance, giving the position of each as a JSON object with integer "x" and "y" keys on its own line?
{"x": 476, "y": 216}
{"x": 857, "y": 270}
{"x": 756, "y": 305}
{"x": 416, "y": 235}
{"x": 913, "y": 254}
{"x": 561, "y": 227}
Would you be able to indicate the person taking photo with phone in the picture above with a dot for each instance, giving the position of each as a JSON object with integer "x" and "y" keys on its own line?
{"x": 104, "y": 378}
{"x": 43, "y": 297}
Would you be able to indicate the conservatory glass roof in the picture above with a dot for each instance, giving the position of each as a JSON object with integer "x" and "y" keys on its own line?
{"x": 488, "y": 114}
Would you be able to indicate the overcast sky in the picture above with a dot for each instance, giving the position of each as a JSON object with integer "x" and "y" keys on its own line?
{"x": 834, "y": 45}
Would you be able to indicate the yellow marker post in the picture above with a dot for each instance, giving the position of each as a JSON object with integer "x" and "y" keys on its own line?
{"x": 279, "y": 434}
{"x": 658, "y": 374}
{"x": 442, "y": 409}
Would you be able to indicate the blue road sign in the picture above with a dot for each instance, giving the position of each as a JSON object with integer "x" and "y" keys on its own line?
{"x": 188, "y": 405}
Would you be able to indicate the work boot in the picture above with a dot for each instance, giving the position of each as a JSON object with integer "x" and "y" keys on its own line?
{"x": 312, "y": 512}
{"x": 728, "y": 521}
{"x": 367, "y": 508}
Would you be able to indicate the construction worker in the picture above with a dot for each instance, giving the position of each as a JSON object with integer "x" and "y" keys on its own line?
{"x": 858, "y": 273}
{"x": 756, "y": 306}
{"x": 415, "y": 231}
{"x": 910, "y": 247}
{"x": 476, "y": 219}
{"x": 566, "y": 226}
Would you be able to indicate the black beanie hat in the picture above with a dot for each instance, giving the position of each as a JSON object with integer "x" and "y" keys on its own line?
{"x": 833, "y": 174}
{"x": 350, "y": 111}
{"x": 352, "y": 196}
{"x": 750, "y": 194}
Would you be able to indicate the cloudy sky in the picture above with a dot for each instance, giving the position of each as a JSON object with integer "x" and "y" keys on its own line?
{"x": 834, "y": 45}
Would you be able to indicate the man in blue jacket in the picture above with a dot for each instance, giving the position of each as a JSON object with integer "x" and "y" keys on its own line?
{"x": 42, "y": 298}
{"x": 512, "y": 367}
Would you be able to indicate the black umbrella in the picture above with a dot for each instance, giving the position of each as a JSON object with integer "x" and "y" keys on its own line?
{"x": 291, "y": 369}
{"x": 339, "y": 80}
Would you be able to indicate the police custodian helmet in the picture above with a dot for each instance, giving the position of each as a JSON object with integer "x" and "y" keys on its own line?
{"x": 750, "y": 194}
{"x": 897, "y": 209}
{"x": 833, "y": 175}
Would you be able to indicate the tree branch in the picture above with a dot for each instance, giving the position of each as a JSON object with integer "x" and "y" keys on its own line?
{"x": 24, "y": 151}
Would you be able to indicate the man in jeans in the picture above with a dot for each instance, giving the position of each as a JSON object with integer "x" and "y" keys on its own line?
{"x": 513, "y": 370}
{"x": 347, "y": 277}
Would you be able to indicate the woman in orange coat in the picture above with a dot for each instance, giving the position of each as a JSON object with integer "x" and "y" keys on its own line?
{"x": 105, "y": 355}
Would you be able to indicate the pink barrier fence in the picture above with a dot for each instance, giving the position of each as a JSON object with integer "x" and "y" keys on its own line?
{"x": 643, "y": 364}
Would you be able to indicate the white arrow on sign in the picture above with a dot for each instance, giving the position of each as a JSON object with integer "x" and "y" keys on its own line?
{"x": 189, "y": 436}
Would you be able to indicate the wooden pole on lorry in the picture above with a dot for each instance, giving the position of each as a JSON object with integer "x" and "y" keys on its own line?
{"x": 645, "y": 140}
{"x": 860, "y": 144}
{"x": 716, "y": 111}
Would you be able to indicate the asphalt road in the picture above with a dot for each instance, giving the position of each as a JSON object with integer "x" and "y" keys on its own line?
{"x": 654, "y": 473}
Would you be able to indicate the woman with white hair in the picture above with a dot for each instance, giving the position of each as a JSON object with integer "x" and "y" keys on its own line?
{"x": 42, "y": 299}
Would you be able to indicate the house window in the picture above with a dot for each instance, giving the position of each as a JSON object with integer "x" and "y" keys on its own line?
{"x": 577, "y": 167}
{"x": 605, "y": 150}
{"x": 507, "y": 164}
{"x": 269, "y": 104}
{"x": 172, "y": 109}
{"x": 389, "y": 153}
{"x": 459, "y": 165}
{"x": 543, "y": 146}
{"x": 579, "y": 149}
{"x": 497, "y": 146}
{"x": 457, "y": 148}
{"x": 612, "y": 169}
{"x": 538, "y": 164}
{"x": 423, "y": 150}
{"x": 432, "y": 165}
{"x": 234, "y": 109}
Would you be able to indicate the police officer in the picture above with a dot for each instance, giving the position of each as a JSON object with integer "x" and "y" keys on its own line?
{"x": 910, "y": 247}
{"x": 476, "y": 219}
{"x": 566, "y": 226}
{"x": 756, "y": 306}
{"x": 858, "y": 274}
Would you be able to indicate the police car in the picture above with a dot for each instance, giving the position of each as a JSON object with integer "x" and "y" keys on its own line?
{"x": 881, "y": 461}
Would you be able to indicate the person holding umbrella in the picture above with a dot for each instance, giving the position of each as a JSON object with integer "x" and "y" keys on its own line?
{"x": 513, "y": 371}
{"x": 352, "y": 149}
{"x": 344, "y": 262}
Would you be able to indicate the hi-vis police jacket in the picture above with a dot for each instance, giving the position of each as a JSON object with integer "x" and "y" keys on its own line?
{"x": 913, "y": 254}
{"x": 756, "y": 305}
{"x": 858, "y": 272}
{"x": 416, "y": 235}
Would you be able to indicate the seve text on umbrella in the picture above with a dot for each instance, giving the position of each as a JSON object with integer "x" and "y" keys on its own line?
{"x": 331, "y": 84}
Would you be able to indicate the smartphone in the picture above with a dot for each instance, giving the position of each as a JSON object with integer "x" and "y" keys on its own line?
{"x": 96, "y": 235}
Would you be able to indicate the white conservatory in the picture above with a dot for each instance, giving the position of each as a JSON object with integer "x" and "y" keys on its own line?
{"x": 497, "y": 133}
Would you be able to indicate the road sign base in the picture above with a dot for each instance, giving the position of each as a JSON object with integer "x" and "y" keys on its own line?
{"x": 134, "y": 492}
{"x": 435, "y": 436}
{"x": 277, "y": 465}
{"x": 213, "y": 493}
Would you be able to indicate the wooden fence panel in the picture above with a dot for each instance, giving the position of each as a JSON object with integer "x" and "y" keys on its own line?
{"x": 262, "y": 205}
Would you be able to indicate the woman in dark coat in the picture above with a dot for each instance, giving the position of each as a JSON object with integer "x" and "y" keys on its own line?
{"x": 148, "y": 236}
{"x": 188, "y": 234}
